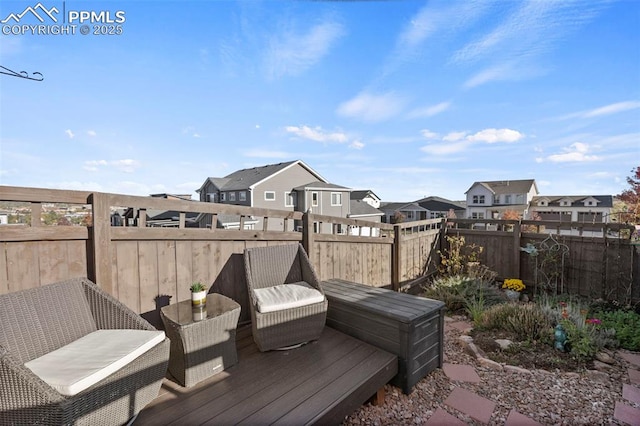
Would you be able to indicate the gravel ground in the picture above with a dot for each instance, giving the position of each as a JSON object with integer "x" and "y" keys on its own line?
{"x": 551, "y": 398}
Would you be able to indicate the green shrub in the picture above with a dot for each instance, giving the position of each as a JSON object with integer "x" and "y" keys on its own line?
{"x": 581, "y": 343}
{"x": 460, "y": 292}
{"x": 626, "y": 325}
{"x": 525, "y": 320}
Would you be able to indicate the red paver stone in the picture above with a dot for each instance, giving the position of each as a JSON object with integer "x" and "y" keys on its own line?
{"x": 634, "y": 376}
{"x": 441, "y": 417}
{"x": 472, "y": 404}
{"x": 461, "y": 372}
{"x": 517, "y": 419}
{"x": 632, "y": 358}
{"x": 631, "y": 393}
{"x": 627, "y": 414}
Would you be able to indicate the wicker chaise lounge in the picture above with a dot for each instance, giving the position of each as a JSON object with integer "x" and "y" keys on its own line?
{"x": 287, "y": 304}
{"x": 47, "y": 320}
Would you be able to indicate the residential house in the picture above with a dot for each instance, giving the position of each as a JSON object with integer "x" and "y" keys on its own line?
{"x": 367, "y": 196}
{"x": 290, "y": 185}
{"x": 155, "y": 217}
{"x": 395, "y": 212}
{"x": 489, "y": 200}
{"x": 441, "y": 207}
{"x": 572, "y": 208}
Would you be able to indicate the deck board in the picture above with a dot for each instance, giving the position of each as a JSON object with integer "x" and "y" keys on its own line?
{"x": 320, "y": 382}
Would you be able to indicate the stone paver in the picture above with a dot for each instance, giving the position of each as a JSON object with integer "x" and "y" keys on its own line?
{"x": 461, "y": 372}
{"x": 626, "y": 414}
{"x": 472, "y": 404}
{"x": 632, "y": 358}
{"x": 634, "y": 376}
{"x": 441, "y": 417}
{"x": 516, "y": 419}
{"x": 631, "y": 393}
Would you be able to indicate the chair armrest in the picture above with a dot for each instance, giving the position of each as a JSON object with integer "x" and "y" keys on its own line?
{"x": 21, "y": 389}
{"x": 109, "y": 312}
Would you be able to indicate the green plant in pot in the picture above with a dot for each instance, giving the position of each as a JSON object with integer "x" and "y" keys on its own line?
{"x": 198, "y": 294}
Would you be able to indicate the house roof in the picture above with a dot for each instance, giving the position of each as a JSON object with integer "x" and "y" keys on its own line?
{"x": 498, "y": 187}
{"x": 554, "y": 200}
{"x": 321, "y": 185}
{"x": 248, "y": 178}
{"x": 438, "y": 204}
{"x": 395, "y": 206}
{"x": 361, "y": 194}
{"x": 361, "y": 208}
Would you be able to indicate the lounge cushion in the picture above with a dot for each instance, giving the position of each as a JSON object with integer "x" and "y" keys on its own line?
{"x": 84, "y": 362}
{"x": 286, "y": 296}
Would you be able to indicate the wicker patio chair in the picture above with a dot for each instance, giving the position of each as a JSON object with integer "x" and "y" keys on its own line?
{"x": 37, "y": 321}
{"x": 272, "y": 267}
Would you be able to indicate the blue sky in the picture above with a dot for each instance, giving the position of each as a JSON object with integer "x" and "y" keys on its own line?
{"x": 406, "y": 98}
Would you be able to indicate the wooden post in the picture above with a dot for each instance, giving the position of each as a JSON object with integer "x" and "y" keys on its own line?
{"x": 516, "y": 249}
{"x": 100, "y": 237}
{"x": 307, "y": 232}
{"x": 36, "y": 214}
{"x": 395, "y": 259}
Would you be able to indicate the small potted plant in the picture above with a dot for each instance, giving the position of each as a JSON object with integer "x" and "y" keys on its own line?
{"x": 512, "y": 288}
{"x": 198, "y": 294}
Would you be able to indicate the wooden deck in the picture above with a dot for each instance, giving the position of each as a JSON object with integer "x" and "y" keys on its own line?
{"x": 320, "y": 382}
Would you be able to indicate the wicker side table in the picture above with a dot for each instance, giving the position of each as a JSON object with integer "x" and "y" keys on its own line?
{"x": 203, "y": 342}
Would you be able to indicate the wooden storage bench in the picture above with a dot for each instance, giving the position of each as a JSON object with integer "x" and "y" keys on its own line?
{"x": 409, "y": 326}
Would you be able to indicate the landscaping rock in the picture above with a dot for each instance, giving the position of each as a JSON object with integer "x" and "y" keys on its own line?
{"x": 601, "y": 366}
{"x": 486, "y": 362}
{"x": 605, "y": 357}
{"x": 504, "y": 343}
{"x": 515, "y": 369}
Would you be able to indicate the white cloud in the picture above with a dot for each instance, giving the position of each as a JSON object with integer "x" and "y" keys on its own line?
{"x": 430, "y": 111}
{"x": 577, "y": 152}
{"x": 429, "y": 134}
{"x": 124, "y": 165}
{"x": 454, "y": 142}
{"x": 293, "y": 53}
{"x": 496, "y": 135}
{"x": 603, "y": 110}
{"x": 447, "y": 148}
{"x": 454, "y": 136}
{"x": 92, "y": 133}
{"x": 69, "y": 133}
{"x": 317, "y": 134}
{"x": 370, "y": 107}
{"x": 356, "y": 145}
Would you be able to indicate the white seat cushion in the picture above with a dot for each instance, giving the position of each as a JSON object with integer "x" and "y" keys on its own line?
{"x": 84, "y": 362}
{"x": 286, "y": 296}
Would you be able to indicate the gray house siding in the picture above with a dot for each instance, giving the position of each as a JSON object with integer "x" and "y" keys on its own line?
{"x": 280, "y": 184}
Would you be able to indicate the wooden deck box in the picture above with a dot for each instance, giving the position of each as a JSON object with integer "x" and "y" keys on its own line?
{"x": 409, "y": 326}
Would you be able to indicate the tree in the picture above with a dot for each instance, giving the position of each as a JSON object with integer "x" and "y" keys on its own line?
{"x": 631, "y": 196}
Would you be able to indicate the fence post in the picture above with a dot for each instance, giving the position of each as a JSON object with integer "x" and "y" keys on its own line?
{"x": 101, "y": 242}
{"x": 307, "y": 232}
{"x": 517, "y": 243}
{"x": 395, "y": 258}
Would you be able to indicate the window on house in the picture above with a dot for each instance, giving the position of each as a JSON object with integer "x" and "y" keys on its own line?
{"x": 223, "y": 196}
{"x": 242, "y": 195}
{"x": 410, "y": 215}
{"x": 477, "y": 215}
{"x": 507, "y": 199}
{"x": 336, "y": 198}
{"x": 314, "y": 199}
{"x": 496, "y": 199}
{"x": 232, "y": 196}
{"x": 269, "y": 195}
{"x": 290, "y": 199}
{"x": 212, "y": 197}
{"x": 478, "y": 199}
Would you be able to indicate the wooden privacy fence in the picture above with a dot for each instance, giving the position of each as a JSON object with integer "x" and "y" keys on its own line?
{"x": 148, "y": 267}
{"x": 601, "y": 261}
